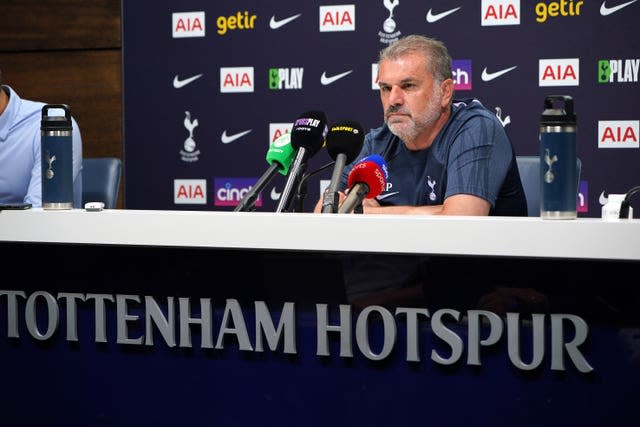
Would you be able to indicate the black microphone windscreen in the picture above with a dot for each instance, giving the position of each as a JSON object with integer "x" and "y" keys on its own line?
{"x": 309, "y": 131}
{"x": 346, "y": 137}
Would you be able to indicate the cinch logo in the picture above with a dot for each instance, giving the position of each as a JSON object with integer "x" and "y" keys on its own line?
{"x": 555, "y": 8}
{"x": 239, "y": 21}
{"x": 618, "y": 70}
{"x": 618, "y": 133}
{"x": 559, "y": 72}
{"x": 338, "y": 18}
{"x": 461, "y": 70}
{"x": 582, "y": 203}
{"x": 285, "y": 78}
{"x": 190, "y": 191}
{"x": 276, "y": 130}
{"x": 229, "y": 191}
{"x": 236, "y": 79}
{"x": 500, "y": 12}
{"x": 187, "y": 24}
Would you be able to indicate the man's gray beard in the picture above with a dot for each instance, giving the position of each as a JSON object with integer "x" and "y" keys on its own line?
{"x": 421, "y": 123}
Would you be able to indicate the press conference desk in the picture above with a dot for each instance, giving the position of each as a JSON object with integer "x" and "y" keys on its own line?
{"x": 584, "y": 238}
{"x": 153, "y": 317}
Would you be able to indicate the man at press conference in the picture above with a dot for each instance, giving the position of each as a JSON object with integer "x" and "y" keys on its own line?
{"x": 444, "y": 157}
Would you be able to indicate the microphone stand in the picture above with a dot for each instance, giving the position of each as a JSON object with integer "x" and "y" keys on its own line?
{"x": 248, "y": 201}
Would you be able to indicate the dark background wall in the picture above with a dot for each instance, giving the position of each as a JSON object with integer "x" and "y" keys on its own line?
{"x": 68, "y": 51}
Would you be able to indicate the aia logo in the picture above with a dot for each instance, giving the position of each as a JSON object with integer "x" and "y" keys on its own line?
{"x": 338, "y": 18}
{"x": 461, "y": 70}
{"x": 190, "y": 191}
{"x": 500, "y": 12}
{"x": 236, "y": 79}
{"x": 618, "y": 133}
{"x": 276, "y": 130}
{"x": 374, "y": 77}
{"x": 188, "y": 24}
{"x": 559, "y": 72}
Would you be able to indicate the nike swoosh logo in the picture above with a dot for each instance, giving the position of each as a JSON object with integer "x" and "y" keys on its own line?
{"x": 274, "y": 194}
{"x": 603, "y": 199}
{"x": 604, "y": 10}
{"x": 230, "y": 138}
{"x": 274, "y": 23}
{"x": 431, "y": 17}
{"x": 384, "y": 196}
{"x": 487, "y": 76}
{"x": 177, "y": 83}
{"x": 328, "y": 80}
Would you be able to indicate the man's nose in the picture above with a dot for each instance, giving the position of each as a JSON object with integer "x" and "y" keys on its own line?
{"x": 396, "y": 97}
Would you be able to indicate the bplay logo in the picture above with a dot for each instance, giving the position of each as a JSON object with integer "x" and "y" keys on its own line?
{"x": 236, "y": 79}
{"x": 618, "y": 70}
{"x": 618, "y": 133}
{"x": 190, "y": 191}
{"x": 462, "y": 76}
{"x": 239, "y": 21}
{"x": 500, "y": 12}
{"x": 276, "y": 130}
{"x": 187, "y": 24}
{"x": 285, "y": 78}
{"x": 557, "y": 8}
{"x": 559, "y": 72}
{"x": 229, "y": 191}
{"x": 338, "y": 18}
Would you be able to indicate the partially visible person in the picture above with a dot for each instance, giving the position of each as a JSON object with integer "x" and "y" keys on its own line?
{"x": 20, "y": 167}
{"x": 444, "y": 157}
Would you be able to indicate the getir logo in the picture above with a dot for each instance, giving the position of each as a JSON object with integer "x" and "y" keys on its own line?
{"x": 276, "y": 130}
{"x": 229, "y": 191}
{"x": 557, "y": 8}
{"x": 618, "y": 133}
{"x": 188, "y": 24}
{"x": 190, "y": 191}
{"x": 285, "y": 78}
{"x": 239, "y": 21}
{"x": 559, "y": 72}
{"x": 236, "y": 79}
{"x": 461, "y": 70}
{"x": 618, "y": 70}
{"x": 500, "y": 12}
{"x": 338, "y": 18}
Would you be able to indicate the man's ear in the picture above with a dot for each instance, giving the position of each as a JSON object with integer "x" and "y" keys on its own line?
{"x": 447, "y": 92}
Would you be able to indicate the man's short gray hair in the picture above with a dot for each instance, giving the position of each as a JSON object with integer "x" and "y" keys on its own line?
{"x": 436, "y": 53}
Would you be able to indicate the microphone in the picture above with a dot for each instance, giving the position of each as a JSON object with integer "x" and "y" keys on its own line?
{"x": 367, "y": 179}
{"x": 279, "y": 156}
{"x": 307, "y": 138}
{"x": 344, "y": 142}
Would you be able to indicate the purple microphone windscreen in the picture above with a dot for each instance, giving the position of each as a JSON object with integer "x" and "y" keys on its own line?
{"x": 309, "y": 131}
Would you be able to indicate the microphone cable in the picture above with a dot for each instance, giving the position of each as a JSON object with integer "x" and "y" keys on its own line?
{"x": 301, "y": 191}
{"x": 624, "y": 206}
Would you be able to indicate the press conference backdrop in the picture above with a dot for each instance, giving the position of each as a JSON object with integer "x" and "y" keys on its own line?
{"x": 208, "y": 85}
